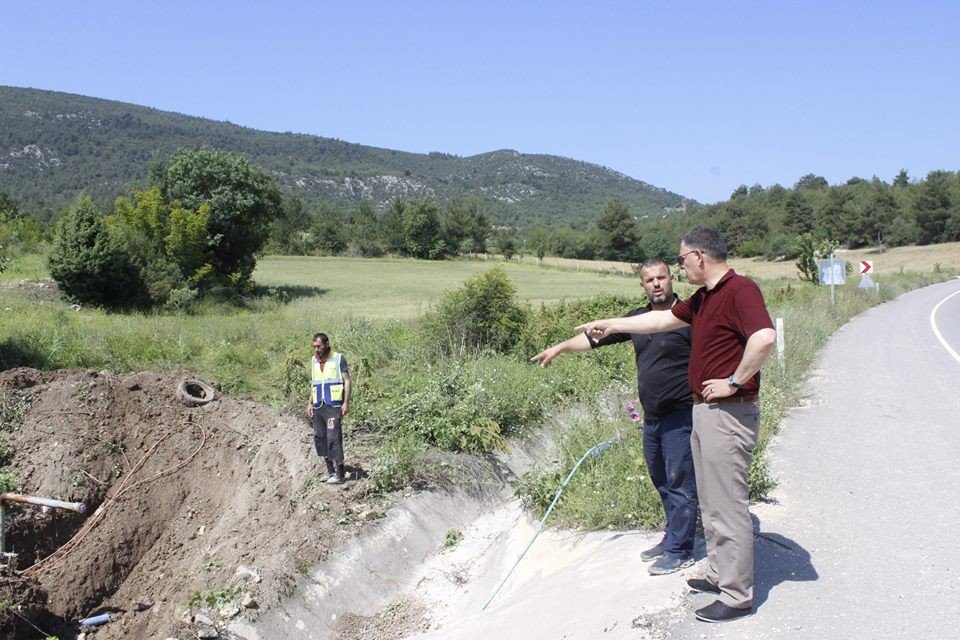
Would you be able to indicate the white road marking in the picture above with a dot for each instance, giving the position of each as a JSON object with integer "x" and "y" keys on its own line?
{"x": 936, "y": 331}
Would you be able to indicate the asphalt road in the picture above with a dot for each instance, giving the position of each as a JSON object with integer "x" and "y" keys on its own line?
{"x": 862, "y": 539}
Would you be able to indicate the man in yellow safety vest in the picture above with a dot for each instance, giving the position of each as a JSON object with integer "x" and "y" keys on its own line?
{"x": 329, "y": 403}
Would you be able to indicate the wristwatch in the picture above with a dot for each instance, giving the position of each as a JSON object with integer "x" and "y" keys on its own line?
{"x": 732, "y": 381}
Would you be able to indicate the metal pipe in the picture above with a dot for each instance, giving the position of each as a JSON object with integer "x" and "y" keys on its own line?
{"x": 79, "y": 507}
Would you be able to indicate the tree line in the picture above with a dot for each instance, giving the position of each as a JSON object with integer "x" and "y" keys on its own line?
{"x": 776, "y": 223}
{"x": 203, "y": 217}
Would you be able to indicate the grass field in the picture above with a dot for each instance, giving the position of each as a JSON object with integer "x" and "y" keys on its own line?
{"x": 351, "y": 288}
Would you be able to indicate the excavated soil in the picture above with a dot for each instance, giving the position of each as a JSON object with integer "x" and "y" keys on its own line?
{"x": 196, "y": 515}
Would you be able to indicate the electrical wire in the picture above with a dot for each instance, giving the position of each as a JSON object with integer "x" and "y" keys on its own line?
{"x": 70, "y": 546}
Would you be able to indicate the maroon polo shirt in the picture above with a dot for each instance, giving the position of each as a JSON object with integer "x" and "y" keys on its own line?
{"x": 722, "y": 320}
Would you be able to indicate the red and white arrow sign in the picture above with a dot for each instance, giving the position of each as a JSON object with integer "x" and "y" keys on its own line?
{"x": 866, "y": 266}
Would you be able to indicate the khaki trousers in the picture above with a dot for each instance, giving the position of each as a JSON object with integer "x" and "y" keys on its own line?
{"x": 722, "y": 442}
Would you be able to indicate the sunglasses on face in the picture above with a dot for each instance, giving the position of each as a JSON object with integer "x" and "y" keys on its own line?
{"x": 683, "y": 257}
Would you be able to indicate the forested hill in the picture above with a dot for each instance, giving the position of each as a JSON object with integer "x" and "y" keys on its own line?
{"x": 54, "y": 145}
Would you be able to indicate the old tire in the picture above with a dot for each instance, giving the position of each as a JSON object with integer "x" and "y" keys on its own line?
{"x": 195, "y": 393}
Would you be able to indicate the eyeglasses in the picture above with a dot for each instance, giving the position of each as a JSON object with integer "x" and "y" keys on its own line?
{"x": 683, "y": 257}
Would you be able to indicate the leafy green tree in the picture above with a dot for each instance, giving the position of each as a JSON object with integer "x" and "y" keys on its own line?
{"x": 9, "y": 212}
{"x": 89, "y": 264}
{"x": 328, "y": 231}
{"x": 464, "y": 227}
{"x": 455, "y": 224}
{"x": 243, "y": 199}
{"x": 903, "y": 230}
{"x": 506, "y": 243}
{"x": 932, "y": 206}
{"x": 902, "y": 181}
{"x": 168, "y": 244}
{"x": 567, "y": 242}
{"x": 538, "y": 240}
{"x": 743, "y": 228}
{"x": 951, "y": 230}
{"x": 811, "y": 182}
{"x": 799, "y": 214}
{"x": 392, "y": 232}
{"x": 364, "y": 232}
{"x": 617, "y": 232}
{"x": 421, "y": 230}
{"x": 187, "y": 240}
{"x": 9, "y": 208}
{"x": 658, "y": 245}
{"x": 879, "y": 210}
{"x": 835, "y": 213}
{"x": 289, "y": 231}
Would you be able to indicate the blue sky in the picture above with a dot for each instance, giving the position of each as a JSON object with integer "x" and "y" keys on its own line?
{"x": 694, "y": 97}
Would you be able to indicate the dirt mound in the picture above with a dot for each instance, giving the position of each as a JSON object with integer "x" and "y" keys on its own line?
{"x": 195, "y": 514}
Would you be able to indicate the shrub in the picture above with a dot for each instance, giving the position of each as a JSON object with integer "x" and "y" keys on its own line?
{"x": 750, "y": 248}
{"x": 808, "y": 253}
{"x": 552, "y": 324}
{"x": 483, "y": 314}
{"x": 90, "y": 265}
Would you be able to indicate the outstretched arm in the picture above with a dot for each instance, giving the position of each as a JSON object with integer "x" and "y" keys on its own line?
{"x": 579, "y": 342}
{"x": 652, "y": 322}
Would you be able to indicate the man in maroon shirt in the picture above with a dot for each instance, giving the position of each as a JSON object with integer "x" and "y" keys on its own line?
{"x": 732, "y": 338}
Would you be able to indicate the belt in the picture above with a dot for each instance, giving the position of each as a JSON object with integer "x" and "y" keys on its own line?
{"x": 698, "y": 399}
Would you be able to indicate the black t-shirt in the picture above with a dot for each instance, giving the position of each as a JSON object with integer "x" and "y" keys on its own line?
{"x": 662, "y": 360}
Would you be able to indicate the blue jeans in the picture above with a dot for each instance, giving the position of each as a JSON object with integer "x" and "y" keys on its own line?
{"x": 666, "y": 448}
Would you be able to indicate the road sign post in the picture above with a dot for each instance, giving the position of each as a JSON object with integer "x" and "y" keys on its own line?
{"x": 832, "y": 272}
{"x": 866, "y": 268}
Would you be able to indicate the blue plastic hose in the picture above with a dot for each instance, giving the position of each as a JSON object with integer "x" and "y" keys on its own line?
{"x": 592, "y": 452}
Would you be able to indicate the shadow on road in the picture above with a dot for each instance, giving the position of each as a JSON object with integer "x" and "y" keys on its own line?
{"x": 777, "y": 559}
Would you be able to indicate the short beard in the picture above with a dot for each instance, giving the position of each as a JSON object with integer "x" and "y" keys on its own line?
{"x": 660, "y": 299}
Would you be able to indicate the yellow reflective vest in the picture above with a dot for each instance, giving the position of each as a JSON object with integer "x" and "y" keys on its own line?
{"x": 327, "y": 383}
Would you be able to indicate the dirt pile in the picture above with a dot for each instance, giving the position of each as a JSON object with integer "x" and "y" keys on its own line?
{"x": 196, "y": 515}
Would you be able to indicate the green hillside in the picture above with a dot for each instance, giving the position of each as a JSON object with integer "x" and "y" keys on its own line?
{"x": 54, "y": 145}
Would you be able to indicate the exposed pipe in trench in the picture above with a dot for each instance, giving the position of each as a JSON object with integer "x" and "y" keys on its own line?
{"x": 78, "y": 507}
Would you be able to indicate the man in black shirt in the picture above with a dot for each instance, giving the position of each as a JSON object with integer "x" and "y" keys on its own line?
{"x": 662, "y": 360}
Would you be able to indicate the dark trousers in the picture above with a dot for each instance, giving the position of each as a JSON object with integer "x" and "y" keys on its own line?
{"x": 666, "y": 449}
{"x": 327, "y": 433}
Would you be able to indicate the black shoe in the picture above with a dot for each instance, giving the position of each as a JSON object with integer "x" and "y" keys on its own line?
{"x": 719, "y": 612}
{"x": 669, "y": 563}
{"x": 655, "y": 551}
{"x": 700, "y": 585}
